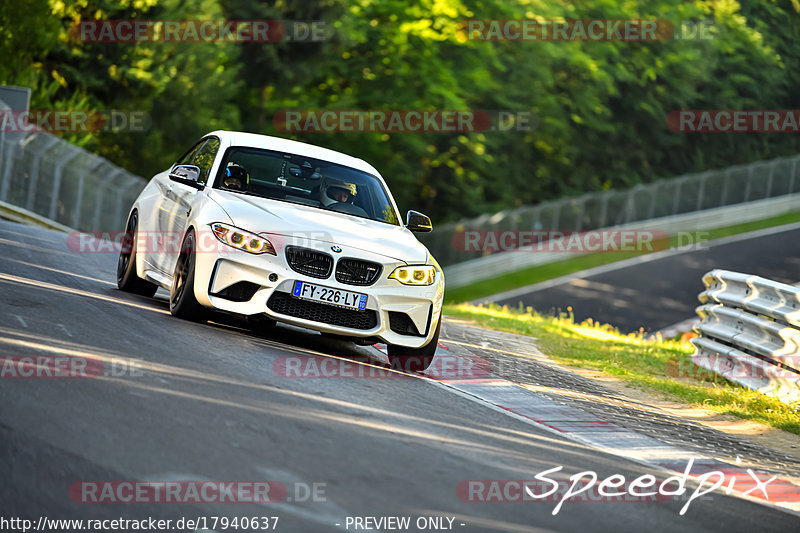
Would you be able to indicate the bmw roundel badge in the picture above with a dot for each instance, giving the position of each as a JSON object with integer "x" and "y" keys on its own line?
{"x": 336, "y": 249}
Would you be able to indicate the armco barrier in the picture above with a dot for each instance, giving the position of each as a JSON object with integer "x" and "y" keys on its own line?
{"x": 46, "y": 175}
{"x": 494, "y": 265}
{"x": 690, "y": 193}
{"x": 750, "y": 332}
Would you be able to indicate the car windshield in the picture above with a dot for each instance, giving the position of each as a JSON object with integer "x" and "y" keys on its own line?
{"x": 302, "y": 180}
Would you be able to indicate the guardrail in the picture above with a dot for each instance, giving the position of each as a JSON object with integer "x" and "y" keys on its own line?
{"x": 496, "y": 264}
{"x": 750, "y": 332}
{"x": 689, "y": 193}
{"x": 46, "y": 175}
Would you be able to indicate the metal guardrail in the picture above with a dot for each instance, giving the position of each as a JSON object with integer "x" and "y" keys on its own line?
{"x": 664, "y": 198}
{"x": 750, "y": 332}
{"x": 51, "y": 177}
{"x": 491, "y": 266}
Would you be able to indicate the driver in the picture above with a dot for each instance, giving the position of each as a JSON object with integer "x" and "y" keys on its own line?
{"x": 335, "y": 191}
{"x": 236, "y": 177}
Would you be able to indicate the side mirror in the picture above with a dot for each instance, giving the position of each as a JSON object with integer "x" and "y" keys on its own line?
{"x": 187, "y": 174}
{"x": 416, "y": 221}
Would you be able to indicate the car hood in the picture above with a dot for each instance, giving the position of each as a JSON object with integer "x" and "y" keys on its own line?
{"x": 261, "y": 215}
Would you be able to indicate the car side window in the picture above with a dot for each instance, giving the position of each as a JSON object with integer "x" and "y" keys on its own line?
{"x": 185, "y": 158}
{"x": 204, "y": 158}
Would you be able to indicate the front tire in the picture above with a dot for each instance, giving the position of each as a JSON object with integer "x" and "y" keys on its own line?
{"x": 182, "y": 302}
{"x": 414, "y": 359}
{"x": 127, "y": 280}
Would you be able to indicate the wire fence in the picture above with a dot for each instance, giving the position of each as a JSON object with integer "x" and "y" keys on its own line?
{"x": 49, "y": 176}
{"x": 686, "y": 194}
{"x": 65, "y": 183}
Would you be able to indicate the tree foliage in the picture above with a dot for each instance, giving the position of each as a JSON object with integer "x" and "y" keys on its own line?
{"x": 599, "y": 108}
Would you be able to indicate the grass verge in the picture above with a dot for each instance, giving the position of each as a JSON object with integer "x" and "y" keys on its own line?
{"x": 529, "y": 276}
{"x": 647, "y": 364}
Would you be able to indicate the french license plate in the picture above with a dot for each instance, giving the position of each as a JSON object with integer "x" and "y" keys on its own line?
{"x": 326, "y": 295}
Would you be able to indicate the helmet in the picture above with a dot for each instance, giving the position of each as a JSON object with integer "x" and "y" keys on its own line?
{"x": 331, "y": 190}
{"x": 234, "y": 171}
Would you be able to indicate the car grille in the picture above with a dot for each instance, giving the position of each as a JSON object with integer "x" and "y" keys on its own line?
{"x": 283, "y": 303}
{"x": 355, "y": 272}
{"x": 309, "y": 262}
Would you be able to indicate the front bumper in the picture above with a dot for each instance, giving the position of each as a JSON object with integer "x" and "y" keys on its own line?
{"x": 388, "y": 299}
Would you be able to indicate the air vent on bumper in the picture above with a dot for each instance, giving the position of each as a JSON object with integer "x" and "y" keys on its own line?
{"x": 242, "y": 291}
{"x": 402, "y": 324}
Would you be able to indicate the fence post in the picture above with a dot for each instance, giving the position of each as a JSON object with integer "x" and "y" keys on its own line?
{"x": 57, "y": 181}
{"x": 651, "y": 211}
{"x": 556, "y": 215}
{"x": 9, "y": 165}
{"x": 604, "y": 209}
{"x": 37, "y": 158}
{"x": 581, "y": 211}
{"x": 769, "y": 180}
{"x": 748, "y": 185}
{"x": 677, "y": 196}
{"x": 79, "y": 201}
{"x": 724, "y": 197}
{"x": 98, "y": 200}
{"x": 2, "y": 150}
{"x": 6, "y": 171}
{"x": 701, "y": 192}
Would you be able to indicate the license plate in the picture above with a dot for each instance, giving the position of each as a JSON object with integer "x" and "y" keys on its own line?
{"x": 326, "y": 295}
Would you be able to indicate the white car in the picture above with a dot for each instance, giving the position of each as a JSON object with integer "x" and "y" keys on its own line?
{"x": 278, "y": 230}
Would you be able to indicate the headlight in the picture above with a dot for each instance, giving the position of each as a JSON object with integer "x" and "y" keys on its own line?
{"x": 243, "y": 240}
{"x": 414, "y": 275}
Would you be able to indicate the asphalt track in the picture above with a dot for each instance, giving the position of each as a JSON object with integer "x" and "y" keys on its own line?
{"x": 206, "y": 404}
{"x": 654, "y": 294}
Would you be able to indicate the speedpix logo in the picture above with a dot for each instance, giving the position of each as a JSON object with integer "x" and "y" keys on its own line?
{"x": 588, "y": 487}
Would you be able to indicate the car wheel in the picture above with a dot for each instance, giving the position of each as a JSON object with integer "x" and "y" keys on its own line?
{"x": 182, "y": 302}
{"x": 414, "y": 359}
{"x": 127, "y": 280}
